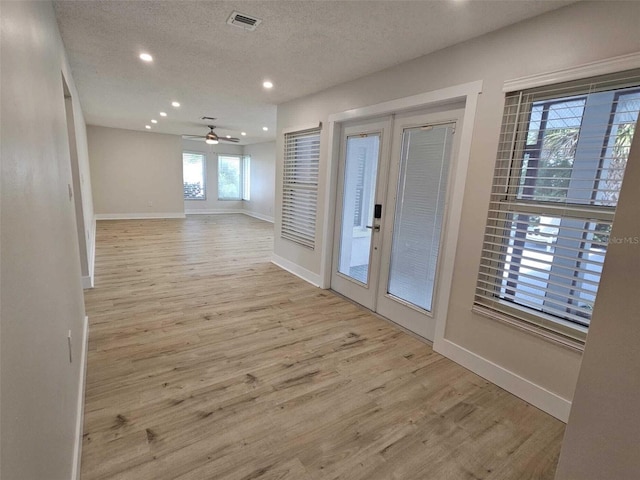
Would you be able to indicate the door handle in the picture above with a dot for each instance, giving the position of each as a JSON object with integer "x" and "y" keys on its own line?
{"x": 374, "y": 227}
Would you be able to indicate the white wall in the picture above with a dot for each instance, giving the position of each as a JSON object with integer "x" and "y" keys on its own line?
{"x": 580, "y": 33}
{"x": 135, "y": 174}
{"x": 41, "y": 298}
{"x": 263, "y": 181}
{"x": 601, "y": 439}
{"x": 211, "y": 204}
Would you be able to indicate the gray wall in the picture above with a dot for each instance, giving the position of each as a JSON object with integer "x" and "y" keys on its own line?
{"x": 131, "y": 169}
{"x": 211, "y": 204}
{"x": 41, "y": 298}
{"x": 601, "y": 440}
{"x": 263, "y": 182}
{"x": 581, "y": 33}
{"x": 135, "y": 173}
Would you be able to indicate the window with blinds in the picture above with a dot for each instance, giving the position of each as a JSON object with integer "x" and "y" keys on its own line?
{"x": 300, "y": 186}
{"x": 561, "y": 159}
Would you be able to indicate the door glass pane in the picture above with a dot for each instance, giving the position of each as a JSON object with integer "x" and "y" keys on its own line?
{"x": 360, "y": 173}
{"x": 419, "y": 211}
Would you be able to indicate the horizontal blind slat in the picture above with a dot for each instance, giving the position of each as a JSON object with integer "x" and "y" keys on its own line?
{"x": 300, "y": 186}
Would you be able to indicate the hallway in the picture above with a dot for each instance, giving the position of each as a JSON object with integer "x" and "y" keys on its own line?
{"x": 206, "y": 361}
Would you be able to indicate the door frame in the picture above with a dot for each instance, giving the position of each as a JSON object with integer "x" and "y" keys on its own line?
{"x": 467, "y": 93}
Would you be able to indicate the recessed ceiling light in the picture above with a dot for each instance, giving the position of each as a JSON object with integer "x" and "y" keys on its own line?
{"x": 163, "y": 114}
{"x": 147, "y": 127}
{"x": 266, "y": 129}
{"x": 244, "y": 134}
{"x": 175, "y": 104}
{"x": 145, "y": 57}
{"x": 153, "y": 120}
{"x": 267, "y": 84}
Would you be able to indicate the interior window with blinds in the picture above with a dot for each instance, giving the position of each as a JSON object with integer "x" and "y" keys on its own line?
{"x": 561, "y": 160}
{"x": 300, "y": 186}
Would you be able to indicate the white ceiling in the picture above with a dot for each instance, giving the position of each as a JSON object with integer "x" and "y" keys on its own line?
{"x": 217, "y": 70}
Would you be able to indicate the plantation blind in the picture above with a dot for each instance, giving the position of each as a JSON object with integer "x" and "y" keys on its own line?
{"x": 300, "y": 186}
{"x": 561, "y": 160}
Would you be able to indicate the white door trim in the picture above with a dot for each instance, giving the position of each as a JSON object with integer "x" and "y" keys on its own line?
{"x": 467, "y": 92}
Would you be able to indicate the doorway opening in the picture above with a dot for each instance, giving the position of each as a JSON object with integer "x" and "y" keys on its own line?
{"x": 75, "y": 188}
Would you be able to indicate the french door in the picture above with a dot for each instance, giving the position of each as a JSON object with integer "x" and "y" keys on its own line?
{"x": 391, "y": 206}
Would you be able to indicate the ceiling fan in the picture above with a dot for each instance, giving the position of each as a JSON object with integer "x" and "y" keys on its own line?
{"x": 212, "y": 138}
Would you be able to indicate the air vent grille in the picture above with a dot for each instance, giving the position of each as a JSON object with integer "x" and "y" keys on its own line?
{"x": 242, "y": 20}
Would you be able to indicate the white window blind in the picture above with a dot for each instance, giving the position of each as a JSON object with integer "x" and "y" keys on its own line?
{"x": 561, "y": 159}
{"x": 300, "y": 186}
{"x": 419, "y": 213}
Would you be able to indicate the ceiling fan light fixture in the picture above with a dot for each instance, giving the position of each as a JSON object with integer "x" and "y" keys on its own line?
{"x": 211, "y": 141}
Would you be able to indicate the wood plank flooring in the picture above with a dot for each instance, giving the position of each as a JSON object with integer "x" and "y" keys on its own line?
{"x": 206, "y": 361}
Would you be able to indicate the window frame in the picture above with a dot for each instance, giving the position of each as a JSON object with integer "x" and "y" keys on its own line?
{"x": 204, "y": 176}
{"x": 246, "y": 178}
{"x": 504, "y": 216}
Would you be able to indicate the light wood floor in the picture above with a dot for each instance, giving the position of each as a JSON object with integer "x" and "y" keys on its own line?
{"x": 208, "y": 362}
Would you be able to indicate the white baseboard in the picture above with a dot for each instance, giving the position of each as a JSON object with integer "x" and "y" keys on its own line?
{"x": 213, "y": 212}
{"x": 77, "y": 448}
{"x": 534, "y": 394}
{"x": 87, "y": 282}
{"x": 259, "y": 216}
{"x": 297, "y": 270}
{"x": 137, "y": 216}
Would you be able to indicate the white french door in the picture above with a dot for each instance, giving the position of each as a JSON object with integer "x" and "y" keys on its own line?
{"x": 361, "y": 186}
{"x": 392, "y": 197}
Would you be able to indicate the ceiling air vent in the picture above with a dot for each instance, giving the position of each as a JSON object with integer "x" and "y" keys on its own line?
{"x": 242, "y": 20}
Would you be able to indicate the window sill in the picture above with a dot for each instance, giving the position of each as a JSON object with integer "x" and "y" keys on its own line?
{"x": 530, "y": 328}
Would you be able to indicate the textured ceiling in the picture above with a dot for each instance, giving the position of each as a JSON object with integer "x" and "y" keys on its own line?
{"x": 217, "y": 70}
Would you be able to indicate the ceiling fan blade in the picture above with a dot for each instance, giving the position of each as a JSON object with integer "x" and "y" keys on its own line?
{"x": 192, "y": 136}
{"x": 232, "y": 140}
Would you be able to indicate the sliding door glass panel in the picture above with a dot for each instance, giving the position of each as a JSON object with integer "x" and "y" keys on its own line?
{"x": 419, "y": 212}
{"x": 360, "y": 173}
